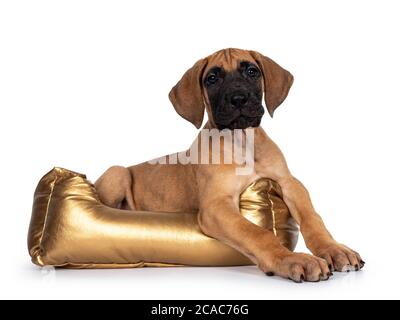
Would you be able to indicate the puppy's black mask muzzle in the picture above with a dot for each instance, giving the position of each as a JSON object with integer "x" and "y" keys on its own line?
{"x": 238, "y": 109}
{"x": 236, "y": 102}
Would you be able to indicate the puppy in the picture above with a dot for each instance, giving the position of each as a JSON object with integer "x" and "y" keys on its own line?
{"x": 229, "y": 86}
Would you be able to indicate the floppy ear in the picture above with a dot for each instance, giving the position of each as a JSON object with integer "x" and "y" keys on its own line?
{"x": 277, "y": 81}
{"x": 187, "y": 95}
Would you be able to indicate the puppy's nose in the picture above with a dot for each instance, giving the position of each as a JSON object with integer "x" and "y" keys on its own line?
{"x": 239, "y": 99}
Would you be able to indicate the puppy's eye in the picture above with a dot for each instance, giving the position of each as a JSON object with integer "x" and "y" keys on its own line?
{"x": 211, "y": 78}
{"x": 252, "y": 72}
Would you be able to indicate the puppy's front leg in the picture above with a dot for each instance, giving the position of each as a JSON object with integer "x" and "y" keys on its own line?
{"x": 220, "y": 218}
{"x": 316, "y": 236}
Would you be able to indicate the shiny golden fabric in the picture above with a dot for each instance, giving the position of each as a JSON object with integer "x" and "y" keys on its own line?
{"x": 71, "y": 228}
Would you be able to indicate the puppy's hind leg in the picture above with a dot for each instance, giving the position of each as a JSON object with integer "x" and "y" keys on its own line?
{"x": 114, "y": 188}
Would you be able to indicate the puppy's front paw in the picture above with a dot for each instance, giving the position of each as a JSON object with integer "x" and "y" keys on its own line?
{"x": 340, "y": 258}
{"x": 301, "y": 267}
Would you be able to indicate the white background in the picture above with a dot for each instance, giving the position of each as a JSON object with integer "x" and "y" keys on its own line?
{"x": 84, "y": 85}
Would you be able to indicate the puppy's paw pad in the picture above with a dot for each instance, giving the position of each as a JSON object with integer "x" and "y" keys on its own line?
{"x": 340, "y": 258}
{"x": 348, "y": 268}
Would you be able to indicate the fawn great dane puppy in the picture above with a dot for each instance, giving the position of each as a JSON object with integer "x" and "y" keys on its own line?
{"x": 229, "y": 86}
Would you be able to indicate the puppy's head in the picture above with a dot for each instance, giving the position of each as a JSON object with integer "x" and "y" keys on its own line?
{"x": 229, "y": 85}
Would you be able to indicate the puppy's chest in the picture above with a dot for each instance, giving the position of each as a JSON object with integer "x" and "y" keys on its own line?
{"x": 257, "y": 170}
{"x": 265, "y": 168}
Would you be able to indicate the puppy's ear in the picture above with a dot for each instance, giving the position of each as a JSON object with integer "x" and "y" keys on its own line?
{"x": 277, "y": 81}
{"x": 187, "y": 95}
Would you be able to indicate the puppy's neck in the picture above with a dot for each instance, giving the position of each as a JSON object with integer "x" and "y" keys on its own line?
{"x": 211, "y": 125}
